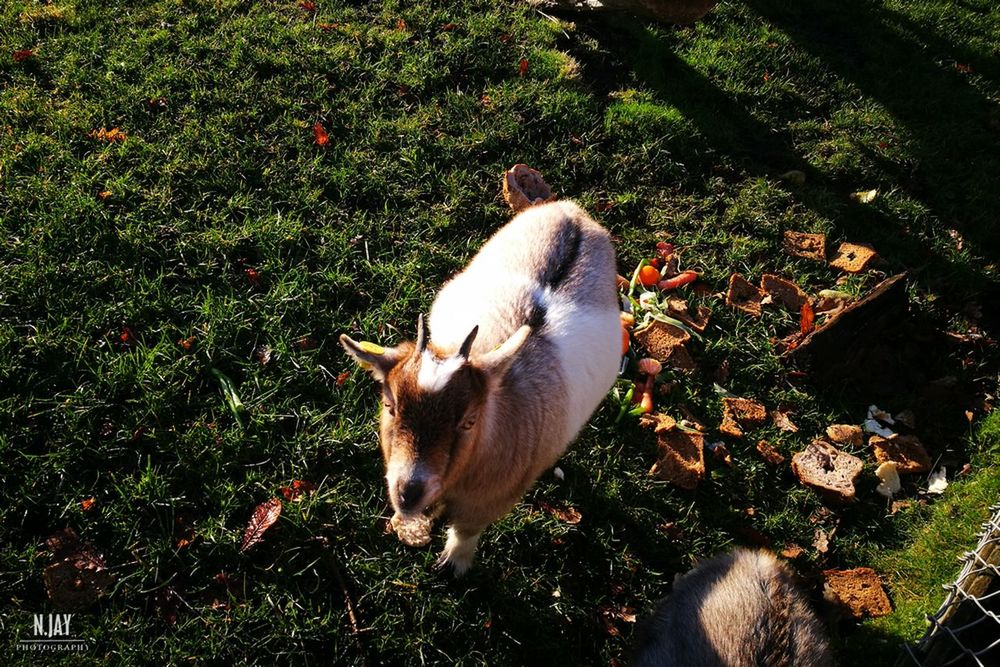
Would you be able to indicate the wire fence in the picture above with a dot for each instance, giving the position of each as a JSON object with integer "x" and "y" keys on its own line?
{"x": 965, "y": 631}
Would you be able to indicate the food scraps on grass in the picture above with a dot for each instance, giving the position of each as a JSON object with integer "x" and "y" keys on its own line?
{"x": 859, "y": 592}
{"x": 320, "y": 135}
{"x": 807, "y": 319}
{"x": 665, "y": 343}
{"x": 111, "y": 136}
{"x": 827, "y": 470}
{"x": 524, "y": 186}
{"x": 938, "y": 481}
{"x": 412, "y": 531}
{"x": 682, "y": 458}
{"x": 783, "y": 292}
{"x": 878, "y": 422}
{"x": 770, "y": 454}
{"x": 783, "y": 422}
{"x": 845, "y": 434}
{"x": 720, "y": 452}
{"x": 853, "y": 257}
{"x": 889, "y": 479}
{"x": 682, "y": 278}
{"x": 905, "y": 451}
{"x": 743, "y": 295}
{"x": 809, "y": 246}
{"x": 740, "y": 412}
{"x": 648, "y": 276}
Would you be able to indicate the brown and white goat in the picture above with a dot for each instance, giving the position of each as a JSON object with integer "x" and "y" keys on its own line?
{"x": 522, "y": 346}
{"x": 738, "y": 610}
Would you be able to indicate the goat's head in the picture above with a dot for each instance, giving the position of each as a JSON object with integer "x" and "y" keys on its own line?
{"x": 432, "y": 402}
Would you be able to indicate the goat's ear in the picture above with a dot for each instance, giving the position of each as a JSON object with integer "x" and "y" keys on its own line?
{"x": 496, "y": 362}
{"x": 375, "y": 358}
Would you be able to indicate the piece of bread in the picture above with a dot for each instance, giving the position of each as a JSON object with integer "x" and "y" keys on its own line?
{"x": 678, "y": 308}
{"x": 809, "y": 246}
{"x": 827, "y": 470}
{"x": 853, "y": 257}
{"x": 784, "y": 292}
{"x": 682, "y": 458}
{"x": 770, "y": 454}
{"x": 412, "y": 531}
{"x": 524, "y": 187}
{"x": 740, "y": 413}
{"x": 665, "y": 343}
{"x": 743, "y": 295}
{"x": 858, "y": 591}
{"x": 905, "y": 451}
{"x": 845, "y": 434}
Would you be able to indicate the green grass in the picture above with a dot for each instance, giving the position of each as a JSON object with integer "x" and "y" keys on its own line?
{"x": 684, "y": 130}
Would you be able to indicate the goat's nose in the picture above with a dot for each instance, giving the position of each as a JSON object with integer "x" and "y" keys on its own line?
{"x": 410, "y": 494}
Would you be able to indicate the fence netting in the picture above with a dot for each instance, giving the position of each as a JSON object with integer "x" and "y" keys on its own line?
{"x": 965, "y": 631}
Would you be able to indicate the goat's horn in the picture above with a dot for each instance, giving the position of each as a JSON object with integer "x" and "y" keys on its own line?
{"x": 423, "y": 336}
{"x": 467, "y": 345}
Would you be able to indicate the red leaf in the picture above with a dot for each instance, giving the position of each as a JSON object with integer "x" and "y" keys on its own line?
{"x": 505, "y": 37}
{"x": 22, "y": 55}
{"x": 297, "y": 490}
{"x": 342, "y": 378}
{"x": 87, "y": 503}
{"x": 449, "y": 26}
{"x": 401, "y": 25}
{"x": 263, "y": 518}
{"x": 319, "y": 133}
{"x": 808, "y": 318}
{"x": 569, "y": 515}
{"x": 253, "y": 277}
{"x": 522, "y": 67}
{"x": 308, "y": 6}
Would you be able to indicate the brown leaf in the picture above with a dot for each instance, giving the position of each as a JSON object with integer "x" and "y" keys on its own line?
{"x": 297, "y": 490}
{"x": 263, "y": 518}
{"x": 77, "y": 576}
{"x": 792, "y": 551}
{"x": 568, "y": 515}
{"x": 111, "y": 136}
{"x": 770, "y": 454}
{"x": 782, "y": 421}
{"x": 342, "y": 378}
{"x": 449, "y": 26}
{"x": 308, "y": 5}
{"x": 87, "y": 503}
{"x": 262, "y": 353}
{"x": 166, "y": 605}
{"x": 522, "y": 67}
{"x": 22, "y": 55}
{"x": 401, "y": 25}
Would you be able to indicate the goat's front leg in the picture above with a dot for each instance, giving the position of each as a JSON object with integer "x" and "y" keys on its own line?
{"x": 460, "y": 548}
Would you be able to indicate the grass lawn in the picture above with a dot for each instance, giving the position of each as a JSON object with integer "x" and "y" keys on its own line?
{"x": 218, "y": 234}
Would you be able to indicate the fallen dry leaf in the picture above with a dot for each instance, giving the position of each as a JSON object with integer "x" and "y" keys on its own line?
{"x": 111, "y": 136}
{"x": 262, "y": 353}
{"x": 783, "y": 422}
{"x": 297, "y": 490}
{"x": 792, "y": 551}
{"x": 320, "y": 135}
{"x": 522, "y": 67}
{"x": 740, "y": 413}
{"x": 87, "y": 504}
{"x": 524, "y": 187}
{"x": 77, "y": 576}
{"x": 342, "y": 378}
{"x": 22, "y": 55}
{"x": 263, "y": 517}
{"x": 568, "y": 515}
{"x": 821, "y": 540}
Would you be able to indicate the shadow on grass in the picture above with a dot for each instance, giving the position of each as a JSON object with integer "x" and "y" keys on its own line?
{"x": 949, "y": 120}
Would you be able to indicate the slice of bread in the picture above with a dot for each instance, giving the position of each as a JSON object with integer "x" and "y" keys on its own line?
{"x": 810, "y": 246}
{"x": 524, "y": 187}
{"x": 665, "y": 343}
{"x": 905, "y": 451}
{"x": 743, "y": 295}
{"x": 845, "y": 434}
{"x": 740, "y": 413}
{"x": 827, "y": 470}
{"x": 784, "y": 292}
{"x": 853, "y": 257}
{"x": 682, "y": 458}
{"x": 858, "y": 591}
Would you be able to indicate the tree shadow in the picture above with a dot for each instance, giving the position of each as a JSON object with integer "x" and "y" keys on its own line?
{"x": 954, "y": 146}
